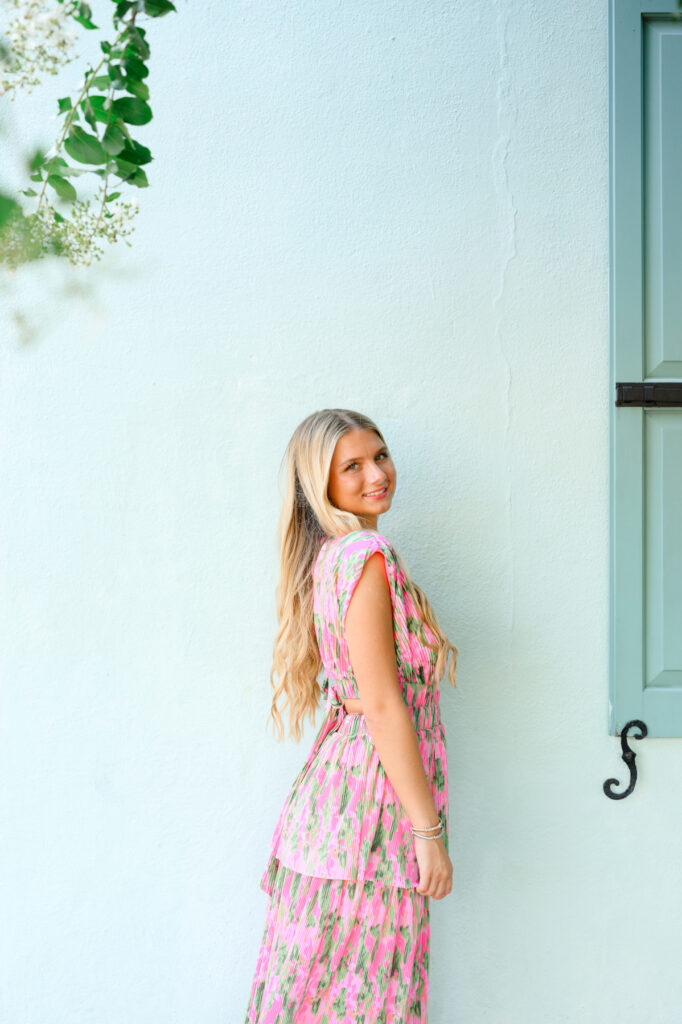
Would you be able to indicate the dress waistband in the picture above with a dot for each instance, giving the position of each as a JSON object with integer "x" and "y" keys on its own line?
{"x": 426, "y": 716}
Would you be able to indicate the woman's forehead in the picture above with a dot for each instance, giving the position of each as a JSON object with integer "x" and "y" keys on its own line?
{"x": 356, "y": 444}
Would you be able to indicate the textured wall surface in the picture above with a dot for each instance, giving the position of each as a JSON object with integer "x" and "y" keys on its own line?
{"x": 398, "y": 207}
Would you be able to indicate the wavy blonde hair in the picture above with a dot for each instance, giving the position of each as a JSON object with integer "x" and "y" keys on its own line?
{"x": 306, "y": 517}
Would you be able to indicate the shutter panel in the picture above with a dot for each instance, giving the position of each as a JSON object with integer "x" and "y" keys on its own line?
{"x": 645, "y": 240}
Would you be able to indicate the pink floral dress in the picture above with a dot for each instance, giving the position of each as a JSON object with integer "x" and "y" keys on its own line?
{"x": 347, "y": 936}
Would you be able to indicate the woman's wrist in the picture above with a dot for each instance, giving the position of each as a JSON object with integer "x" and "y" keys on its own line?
{"x": 429, "y": 831}
{"x": 431, "y": 825}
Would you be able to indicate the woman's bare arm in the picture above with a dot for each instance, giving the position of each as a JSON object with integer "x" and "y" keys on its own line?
{"x": 369, "y": 635}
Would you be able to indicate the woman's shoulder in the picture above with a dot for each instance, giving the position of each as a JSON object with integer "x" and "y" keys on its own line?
{"x": 338, "y": 571}
{"x": 359, "y": 543}
{"x": 350, "y": 552}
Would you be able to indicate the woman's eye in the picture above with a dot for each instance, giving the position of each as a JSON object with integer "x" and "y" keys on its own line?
{"x": 380, "y": 455}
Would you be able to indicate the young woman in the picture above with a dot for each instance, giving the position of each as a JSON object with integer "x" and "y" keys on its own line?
{"x": 361, "y": 843}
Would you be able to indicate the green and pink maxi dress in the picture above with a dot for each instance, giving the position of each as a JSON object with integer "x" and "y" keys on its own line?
{"x": 347, "y": 936}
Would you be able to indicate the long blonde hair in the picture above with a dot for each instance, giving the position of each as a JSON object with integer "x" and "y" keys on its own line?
{"x": 307, "y": 516}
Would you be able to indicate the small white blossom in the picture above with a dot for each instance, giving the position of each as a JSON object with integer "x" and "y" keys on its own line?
{"x": 40, "y": 39}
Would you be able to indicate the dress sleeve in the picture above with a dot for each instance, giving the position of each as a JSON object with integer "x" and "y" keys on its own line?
{"x": 353, "y": 553}
{"x": 358, "y": 548}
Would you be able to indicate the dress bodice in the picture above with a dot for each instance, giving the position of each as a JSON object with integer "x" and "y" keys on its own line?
{"x": 336, "y": 572}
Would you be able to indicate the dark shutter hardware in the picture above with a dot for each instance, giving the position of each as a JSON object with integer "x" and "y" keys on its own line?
{"x": 662, "y": 394}
{"x": 628, "y": 756}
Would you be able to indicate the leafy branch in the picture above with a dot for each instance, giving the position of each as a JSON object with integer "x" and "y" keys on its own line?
{"x": 96, "y": 136}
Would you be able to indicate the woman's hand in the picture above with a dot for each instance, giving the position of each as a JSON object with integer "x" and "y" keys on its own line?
{"x": 435, "y": 867}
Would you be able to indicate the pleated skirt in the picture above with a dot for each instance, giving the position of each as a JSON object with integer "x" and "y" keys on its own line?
{"x": 340, "y": 952}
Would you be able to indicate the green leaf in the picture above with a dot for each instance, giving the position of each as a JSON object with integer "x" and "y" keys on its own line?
{"x": 122, "y": 8}
{"x": 112, "y": 195}
{"x": 114, "y": 140}
{"x": 29, "y": 192}
{"x": 97, "y": 108}
{"x": 124, "y": 167}
{"x": 101, "y": 82}
{"x": 136, "y": 40}
{"x": 62, "y": 187}
{"x": 85, "y": 22}
{"x": 64, "y": 105}
{"x": 89, "y": 115}
{"x": 7, "y": 208}
{"x": 58, "y": 217}
{"x": 37, "y": 160}
{"x": 132, "y": 110}
{"x": 131, "y": 174}
{"x": 116, "y": 76}
{"x": 37, "y": 176}
{"x": 157, "y": 8}
{"x": 59, "y": 165}
{"x": 139, "y": 179}
{"x": 136, "y": 154}
{"x": 137, "y": 88}
{"x": 84, "y": 15}
{"x": 106, "y": 47}
{"x": 134, "y": 67}
{"x": 85, "y": 148}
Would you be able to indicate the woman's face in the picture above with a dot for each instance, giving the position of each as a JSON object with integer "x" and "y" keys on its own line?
{"x": 362, "y": 476}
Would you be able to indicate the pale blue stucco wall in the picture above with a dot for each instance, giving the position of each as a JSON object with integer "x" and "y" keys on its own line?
{"x": 399, "y": 208}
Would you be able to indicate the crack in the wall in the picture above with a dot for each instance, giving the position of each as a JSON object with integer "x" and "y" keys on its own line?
{"x": 506, "y": 112}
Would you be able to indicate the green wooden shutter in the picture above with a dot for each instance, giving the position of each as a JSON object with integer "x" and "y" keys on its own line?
{"x": 645, "y": 240}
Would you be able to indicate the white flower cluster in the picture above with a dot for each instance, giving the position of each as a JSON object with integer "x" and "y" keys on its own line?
{"x": 77, "y": 237}
{"x": 38, "y": 38}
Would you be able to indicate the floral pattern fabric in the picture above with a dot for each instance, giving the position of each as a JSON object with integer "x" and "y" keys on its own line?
{"x": 342, "y": 848}
{"x": 337, "y": 952}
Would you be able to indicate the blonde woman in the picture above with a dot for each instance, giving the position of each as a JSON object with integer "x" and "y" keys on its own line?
{"x": 361, "y": 843}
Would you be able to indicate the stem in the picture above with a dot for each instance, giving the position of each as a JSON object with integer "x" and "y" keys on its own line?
{"x": 103, "y": 197}
{"x": 108, "y": 171}
{"x": 105, "y": 182}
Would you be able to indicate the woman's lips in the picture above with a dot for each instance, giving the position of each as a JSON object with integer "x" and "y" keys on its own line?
{"x": 378, "y": 494}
